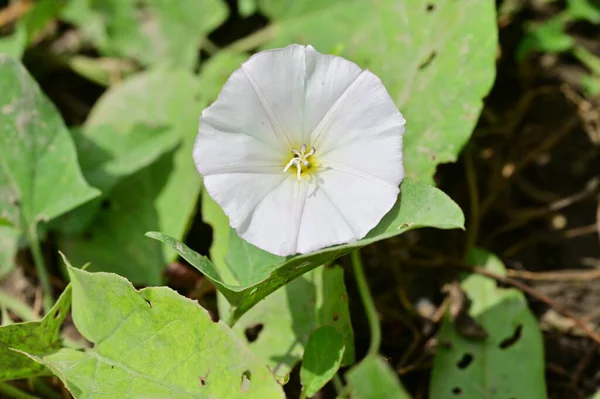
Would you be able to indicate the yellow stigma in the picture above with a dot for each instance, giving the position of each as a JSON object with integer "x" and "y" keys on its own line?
{"x": 300, "y": 159}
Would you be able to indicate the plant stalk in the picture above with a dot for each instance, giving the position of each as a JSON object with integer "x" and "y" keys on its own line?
{"x": 40, "y": 267}
{"x": 13, "y": 392}
{"x": 368, "y": 303}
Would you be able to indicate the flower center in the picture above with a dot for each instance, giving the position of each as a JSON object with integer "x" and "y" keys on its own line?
{"x": 300, "y": 160}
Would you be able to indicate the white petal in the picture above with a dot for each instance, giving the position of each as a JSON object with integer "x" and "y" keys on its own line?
{"x": 239, "y": 194}
{"x": 375, "y": 158}
{"x": 274, "y": 223}
{"x": 364, "y": 111}
{"x": 327, "y": 78}
{"x": 217, "y": 152}
{"x": 264, "y": 98}
{"x": 343, "y": 207}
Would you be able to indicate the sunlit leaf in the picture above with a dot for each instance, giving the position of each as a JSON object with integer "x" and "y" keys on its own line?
{"x": 163, "y": 195}
{"x": 35, "y": 337}
{"x": 148, "y": 31}
{"x": 153, "y": 343}
{"x": 40, "y": 178}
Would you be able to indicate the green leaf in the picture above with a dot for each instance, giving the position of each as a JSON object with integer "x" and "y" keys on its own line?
{"x": 419, "y": 205}
{"x": 39, "y": 175}
{"x": 322, "y": 358}
{"x": 107, "y": 156}
{"x": 14, "y": 44}
{"x": 148, "y": 31}
{"x": 548, "y": 37}
{"x": 584, "y": 9}
{"x": 35, "y": 337}
{"x": 512, "y": 353}
{"x": 595, "y": 396}
{"x": 162, "y": 196}
{"x": 9, "y": 240}
{"x": 436, "y": 58}
{"x": 153, "y": 343}
{"x": 286, "y": 318}
{"x": 373, "y": 378}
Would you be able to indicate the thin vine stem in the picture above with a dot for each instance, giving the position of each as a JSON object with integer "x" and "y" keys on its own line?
{"x": 14, "y": 392}
{"x": 368, "y": 303}
{"x": 40, "y": 267}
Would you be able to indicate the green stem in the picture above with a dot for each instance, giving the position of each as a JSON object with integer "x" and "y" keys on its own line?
{"x": 40, "y": 267}
{"x": 303, "y": 394}
{"x": 368, "y": 303}
{"x": 17, "y": 307}
{"x": 338, "y": 384}
{"x": 13, "y": 392}
{"x": 254, "y": 40}
{"x": 43, "y": 389}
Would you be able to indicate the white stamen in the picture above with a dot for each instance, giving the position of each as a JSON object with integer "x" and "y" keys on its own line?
{"x": 300, "y": 158}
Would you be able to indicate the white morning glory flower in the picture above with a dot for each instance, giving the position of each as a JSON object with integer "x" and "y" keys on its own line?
{"x": 301, "y": 150}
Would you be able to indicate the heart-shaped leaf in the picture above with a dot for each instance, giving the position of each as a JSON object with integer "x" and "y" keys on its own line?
{"x": 153, "y": 343}
{"x": 40, "y": 178}
{"x": 152, "y": 198}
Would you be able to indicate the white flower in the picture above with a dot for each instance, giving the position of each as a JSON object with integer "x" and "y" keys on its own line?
{"x": 301, "y": 150}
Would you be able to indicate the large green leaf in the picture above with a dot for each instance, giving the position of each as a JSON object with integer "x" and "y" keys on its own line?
{"x": 513, "y": 352}
{"x": 153, "y": 343}
{"x": 163, "y": 196}
{"x": 418, "y": 205}
{"x": 148, "y": 31}
{"x": 322, "y": 359}
{"x": 107, "y": 156}
{"x": 436, "y": 58}
{"x": 40, "y": 178}
{"x": 373, "y": 378}
{"x": 36, "y": 337}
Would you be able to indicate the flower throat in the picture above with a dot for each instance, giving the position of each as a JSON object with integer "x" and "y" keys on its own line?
{"x": 300, "y": 160}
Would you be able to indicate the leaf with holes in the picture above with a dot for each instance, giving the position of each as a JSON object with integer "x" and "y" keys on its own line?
{"x": 418, "y": 205}
{"x": 35, "y": 337}
{"x": 374, "y": 378}
{"x": 40, "y": 178}
{"x": 322, "y": 358}
{"x": 148, "y": 31}
{"x": 153, "y": 343}
{"x": 161, "y": 196}
{"x": 278, "y": 328}
{"x": 494, "y": 367}
{"x": 436, "y": 58}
